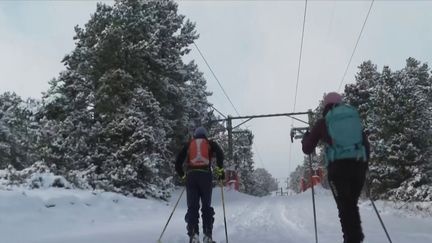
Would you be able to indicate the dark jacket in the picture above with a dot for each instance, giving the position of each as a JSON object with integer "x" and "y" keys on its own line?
{"x": 319, "y": 132}
{"x": 215, "y": 149}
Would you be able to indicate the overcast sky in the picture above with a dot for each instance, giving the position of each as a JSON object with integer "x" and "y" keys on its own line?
{"x": 253, "y": 47}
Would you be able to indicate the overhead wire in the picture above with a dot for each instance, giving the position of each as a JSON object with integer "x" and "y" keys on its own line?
{"x": 298, "y": 78}
{"x": 355, "y": 47}
{"x": 220, "y": 113}
{"x": 216, "y": 78}
{"x": 300, "y": 57}
{"x": 226, "y": 95}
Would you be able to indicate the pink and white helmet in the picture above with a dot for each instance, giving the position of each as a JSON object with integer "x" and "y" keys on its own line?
{"x": 332, "y": 98}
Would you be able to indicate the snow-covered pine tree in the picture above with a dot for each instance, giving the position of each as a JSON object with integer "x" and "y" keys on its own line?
{"x": 242, "y": 161}
{"x": 404, "y": 130}
{"x": 132, "y": 154}
{"x": 264, "y": 183}
{"x": 196, "y": 110}
{"x": 360, "y": 94}
{"x": 122, "y": 105}
{"x": 243, "y": 158}
{"x": 295, "y": 178}
{"x": 396, "y": 110}
{"x": 18, "y": 131}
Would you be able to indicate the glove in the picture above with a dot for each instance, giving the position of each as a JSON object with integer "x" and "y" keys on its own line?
{"x": 305, "y": 135}
{"x": 183, "y": 179}
{"x": 220, "y": 173}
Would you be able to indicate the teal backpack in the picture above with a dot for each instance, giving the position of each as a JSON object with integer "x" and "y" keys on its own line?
{"x": 346, "y": 131}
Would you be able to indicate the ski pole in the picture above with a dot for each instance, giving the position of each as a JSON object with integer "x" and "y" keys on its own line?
{"x": 169, "y": 219}
{"x": 381, "y": 221}
{"x": 223, "y": 206}
{"x": 375, "y": 209}
{"x": 313, "y": 198}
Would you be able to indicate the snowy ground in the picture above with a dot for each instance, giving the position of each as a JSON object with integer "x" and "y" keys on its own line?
{"x": 72, "y": 216}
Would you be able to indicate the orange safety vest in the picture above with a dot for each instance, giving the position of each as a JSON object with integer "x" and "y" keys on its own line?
{"x": 199, "y": 153}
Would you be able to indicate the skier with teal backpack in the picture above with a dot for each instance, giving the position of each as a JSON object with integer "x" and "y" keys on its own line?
{"x": 346, "y": 159}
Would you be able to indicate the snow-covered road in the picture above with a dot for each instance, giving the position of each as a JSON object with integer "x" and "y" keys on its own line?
{"x": 72, "y": 216}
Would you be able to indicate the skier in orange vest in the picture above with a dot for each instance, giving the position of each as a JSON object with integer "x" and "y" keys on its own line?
{"x": 197, "y": 154}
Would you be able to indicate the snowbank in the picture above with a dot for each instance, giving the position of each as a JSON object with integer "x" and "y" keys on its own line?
{"x": 52, "y": 215}
{"x": 39, "y": 175}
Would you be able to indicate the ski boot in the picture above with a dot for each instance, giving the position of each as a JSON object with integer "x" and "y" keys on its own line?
{"x": 194, "y": 239}
{"x": 208, "y": 239}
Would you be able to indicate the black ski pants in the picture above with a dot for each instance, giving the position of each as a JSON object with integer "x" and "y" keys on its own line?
{"x": 346, "y": 178}
{"x": 199, "y": 187}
